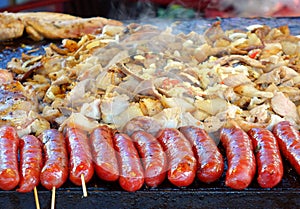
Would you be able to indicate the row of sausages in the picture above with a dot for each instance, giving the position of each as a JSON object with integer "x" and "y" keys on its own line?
{"x": 179, "y": 155}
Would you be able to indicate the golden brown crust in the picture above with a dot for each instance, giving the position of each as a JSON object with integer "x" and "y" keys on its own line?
{"x": 40, "y": 25}
{"x": 10, "y": 27}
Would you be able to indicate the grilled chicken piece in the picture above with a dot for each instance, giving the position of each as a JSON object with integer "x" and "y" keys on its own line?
{"x": 15, "y": 105}
{"x": 142, "y": 123}
{"x": 40, "y": 25}
{"x": 10, "y": 27}
{"x": 55, "y": 25}
{"x": 78, "y": 120}
{"x": 249, "y": 90}
{"x": 5, "y": 76}
{"x": 283, "y": 106}
{"x": 236, "y": 80}
{"x": 18, "y": 108}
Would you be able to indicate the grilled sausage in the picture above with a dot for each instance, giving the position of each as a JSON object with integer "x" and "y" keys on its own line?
{"x": 182, "y": 163}
{"x": 9, "y": 171}
{"x": 131, "y": 170}
{"x": 55, "y": 170}
{"x": 240, "y": 157}
{"x": 268, "y": 159}
{"x": 209, "y": 158}
{"x": 288, "y": 139}
{"x": 104, "y": 155}
{"x": 80, "y": 156}
{"x": 31, "y": 162}
{"x": 153, "y": 157}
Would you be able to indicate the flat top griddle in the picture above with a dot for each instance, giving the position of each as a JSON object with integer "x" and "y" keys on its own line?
{"x": 15, "y": 48}
{"x": 198, "y": 195}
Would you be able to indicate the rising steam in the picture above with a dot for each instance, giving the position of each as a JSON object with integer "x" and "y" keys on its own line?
{"x": 258, "y": 7}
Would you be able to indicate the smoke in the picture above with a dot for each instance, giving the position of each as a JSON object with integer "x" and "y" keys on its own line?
{"x": 129, "y": 10}
{"x": 248, "y": 8}
{"x": 144, "y": 9}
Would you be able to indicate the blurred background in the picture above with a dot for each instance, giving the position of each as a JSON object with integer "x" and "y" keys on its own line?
{"x": 139, "y": 9}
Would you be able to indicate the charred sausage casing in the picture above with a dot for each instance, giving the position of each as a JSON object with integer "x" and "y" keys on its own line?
{"x": 31, "y": 162}
{"x": 9, "y": 171}
{"x": 153, "y": 157}
{"x": 240, "y": 157}
{"x": 104, "y": 154}
{"x": 130, "y": 166}
{"x": 80, "y": 156}
{"x": 210, "y": 160}
{"x": 268, "y": 159}
{"x": 288, "y": 139}
{"x": 182, "y": 163}
{"x": 55, "y": 170}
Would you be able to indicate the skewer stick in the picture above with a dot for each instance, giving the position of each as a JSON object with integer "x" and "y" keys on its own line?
{"x": 83, "y": 186}
{"x": 36, "y": 198}
{"x": 53, "y": 198}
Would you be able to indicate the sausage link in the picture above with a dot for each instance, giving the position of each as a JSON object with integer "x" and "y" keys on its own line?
{"x": 240, "y": 157}
{"x": 55, "y": 170}
{"x": 104, "y": 154}
{"x": 9, "y": 171}
{"x": 131, "y": 170}
{"x": 288, "y": 139}
{"x": 153, "y": 157}
{"x": 80, "y": 156}
{"x": 31, "y": 162}
{"x": 182, "y": 163}
{"x": 210, "y": 160}
{"x": 268, "y": 159}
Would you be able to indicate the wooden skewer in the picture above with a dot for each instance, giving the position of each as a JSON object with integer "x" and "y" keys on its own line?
{"x": 36, "y": 198}
{"x": 83, "y": 186}
{"x": 53, "y": 198}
